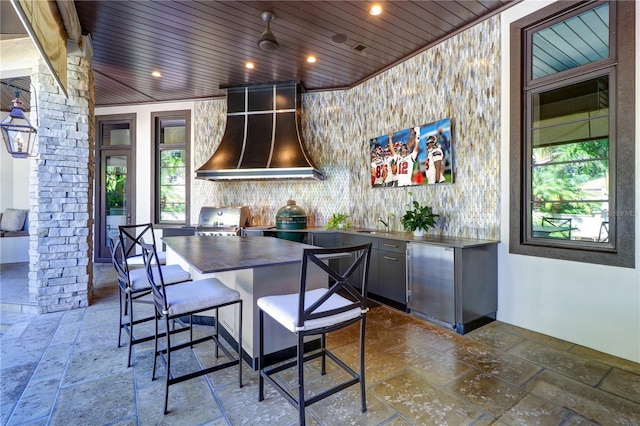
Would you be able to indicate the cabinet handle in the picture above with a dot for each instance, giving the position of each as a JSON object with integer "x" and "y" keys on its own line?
{"x": 390, "y": 258}
{"x": 390, "y": 245}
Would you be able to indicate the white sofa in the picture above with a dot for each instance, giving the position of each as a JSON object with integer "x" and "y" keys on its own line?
{"x": 14, "y": 236}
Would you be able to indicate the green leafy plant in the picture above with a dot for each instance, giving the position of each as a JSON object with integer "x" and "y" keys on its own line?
{"x": 338, "y": 220}
{"x": 419, "y": 217}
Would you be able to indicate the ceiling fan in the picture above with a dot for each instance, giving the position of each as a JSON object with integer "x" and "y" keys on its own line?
{"x": 267, "y": 40}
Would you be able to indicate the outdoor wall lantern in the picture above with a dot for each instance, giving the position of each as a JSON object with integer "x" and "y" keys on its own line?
{"x": 18, "y": 133}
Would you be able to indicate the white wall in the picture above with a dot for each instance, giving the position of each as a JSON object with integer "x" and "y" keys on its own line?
{"x": 144, "y": 177}
{"x": 17, "y": 57}
{"x": 14, "y": 179}
{"x": 590, "y": 305}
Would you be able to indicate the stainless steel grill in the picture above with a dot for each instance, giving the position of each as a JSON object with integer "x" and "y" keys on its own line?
{"x": 222, "y": 221}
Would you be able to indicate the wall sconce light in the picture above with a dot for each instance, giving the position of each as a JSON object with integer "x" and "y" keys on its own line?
{"x": 17, "y": 131}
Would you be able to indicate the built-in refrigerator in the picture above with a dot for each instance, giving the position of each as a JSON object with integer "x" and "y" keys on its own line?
{"x": 430, "y": 282}
{"x": 455, "y": 286}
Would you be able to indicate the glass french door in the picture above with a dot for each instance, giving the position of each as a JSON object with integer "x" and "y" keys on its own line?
{"x": 115, "y": 191}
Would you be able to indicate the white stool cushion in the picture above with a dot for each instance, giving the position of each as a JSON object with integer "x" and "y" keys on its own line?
{"x": 284, "y": 309}
{"x": 137, "y": 260}
{"x": 171, "y": 274}
{"x": 196, "y": 295}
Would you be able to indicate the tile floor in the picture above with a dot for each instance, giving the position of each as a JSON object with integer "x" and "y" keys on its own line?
{"x": 65, "y": 368}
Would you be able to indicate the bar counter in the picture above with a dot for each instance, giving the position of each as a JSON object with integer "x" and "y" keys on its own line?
{"x": 256, "y": 267}
{"x": 219, "y": 254}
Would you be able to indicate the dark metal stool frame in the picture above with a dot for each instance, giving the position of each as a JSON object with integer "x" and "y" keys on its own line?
{"x": 129, "y": 295}
{"x": 162, "y": 311}
{"x": 360, "y": 265}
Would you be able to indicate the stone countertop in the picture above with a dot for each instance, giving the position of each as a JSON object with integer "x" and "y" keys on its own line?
{"x": 218, "y": 254}
{"x": 438, "y": 240}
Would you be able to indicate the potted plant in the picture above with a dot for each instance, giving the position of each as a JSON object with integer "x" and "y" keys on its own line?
{"x": 419, "y": 219}
{"x": 338, "y": 221}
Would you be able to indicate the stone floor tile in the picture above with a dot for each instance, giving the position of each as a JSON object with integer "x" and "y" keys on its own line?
{"x": 532, "y": 410}
{"x": 345, "y": 407}
{"x": 381, "y": 340}
{"x": 567, "y": 363}
{"x": 398, "y": 420}
{"x": 423, "y": 403}
{"x": 495, "y": 336}
{"x": 75, "y": 315}
{"x": 432, "y": 365}
{"x": 103, "y": 336}
{"x": 54, "y": 360}
{"x": 14, "y": 380}
{"x": 95, "y": 364}
{"x": 614, "y": 361}
{"x": 190, "y": 402}
{"x": 594, "y": 404}
{"x": 388, "y": 318}
{"x": 423, "y": 333}
{"x": 487, "y": 392}
{"x": 243, "y": 408}
{"x": 6, "y": 408}
{"x": 18, "y": 324}
{"x": 100, "y": 317}
{"x": 21, "y": 351}
{"x": 102, "y": 401}
{"x": 578, "y": 420}
{"x": 344, "y": 336}
{"x": 537, "y": 337}
{"x": 66, "y": 333}
{"x": 622, "y": 383}
{"x": 507, "y": 367}
{"x": 37, "y": 401}
{"x": 377, "y": 367}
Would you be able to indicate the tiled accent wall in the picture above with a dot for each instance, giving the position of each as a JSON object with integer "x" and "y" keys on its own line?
{"x": 458, "y": 78}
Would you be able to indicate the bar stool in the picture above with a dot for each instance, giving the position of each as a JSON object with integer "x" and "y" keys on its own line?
{"x": 133, "y": 283}
{"x": 318, "y": 312}
{"x": 174, "y": 303}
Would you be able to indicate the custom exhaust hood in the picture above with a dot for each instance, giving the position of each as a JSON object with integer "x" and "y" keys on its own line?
{"x": 262, "y": 137}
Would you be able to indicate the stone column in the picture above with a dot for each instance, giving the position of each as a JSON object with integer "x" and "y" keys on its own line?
{"x": 61, "y": 190}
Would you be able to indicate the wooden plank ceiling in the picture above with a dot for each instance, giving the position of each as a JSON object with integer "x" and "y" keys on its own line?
{"x": 201, "y": 46}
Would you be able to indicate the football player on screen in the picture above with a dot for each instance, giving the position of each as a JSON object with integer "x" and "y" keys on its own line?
{"x": 407, "y": 158}
{"x": 434, "y": 166}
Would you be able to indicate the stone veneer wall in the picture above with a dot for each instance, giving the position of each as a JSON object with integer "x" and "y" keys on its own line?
{"x": 61, "y": 190}
{"x": 458, "y": 78}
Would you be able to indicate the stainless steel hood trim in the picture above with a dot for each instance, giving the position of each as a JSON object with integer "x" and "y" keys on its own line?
{"x": 241, "y": 157}
{"x": 274, "y": 173}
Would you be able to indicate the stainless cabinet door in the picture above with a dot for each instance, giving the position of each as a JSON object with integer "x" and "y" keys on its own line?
{"x": 430, "y": 279}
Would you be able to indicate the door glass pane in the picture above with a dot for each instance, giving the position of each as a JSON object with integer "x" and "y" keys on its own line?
{"x": 115, "y": 192}
{"x": 577, "y": 41}
{"x": 172, "y": 131}
{"x": 116, "y": 134}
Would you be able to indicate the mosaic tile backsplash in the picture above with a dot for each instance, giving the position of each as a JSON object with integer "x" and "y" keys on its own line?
{"x": 458, "y": 78}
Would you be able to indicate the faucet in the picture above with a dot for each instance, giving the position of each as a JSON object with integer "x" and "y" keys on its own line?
{"x": 386, "y": 224}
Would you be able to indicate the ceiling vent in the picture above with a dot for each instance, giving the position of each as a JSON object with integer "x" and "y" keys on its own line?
{"x": 262, "y": 138}
{"x": 359, "y": 47}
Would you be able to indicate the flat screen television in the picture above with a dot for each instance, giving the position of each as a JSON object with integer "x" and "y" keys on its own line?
{"x": 417, "y": 155}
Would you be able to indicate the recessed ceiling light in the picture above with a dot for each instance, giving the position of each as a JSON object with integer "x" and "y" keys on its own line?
{"x": 249, "y": 65}
{"x": 156, "y": 73}
{"x": 311, "y": 59}
{"x": 375, "y": 10}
